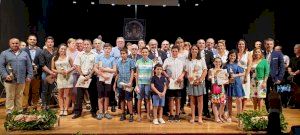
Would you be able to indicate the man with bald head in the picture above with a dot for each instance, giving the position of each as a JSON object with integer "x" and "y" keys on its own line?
{"x": 165, "y": 46}
{"x": 294, "y": 67}
{"x": 155, "y": 54}
{"x": 15, "y": 69}
{"x": 209, "y": 57}
{"x": 210, "y": 43}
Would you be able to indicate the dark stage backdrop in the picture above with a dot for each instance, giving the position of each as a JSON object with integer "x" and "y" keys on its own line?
{"x": 249, "y": 19}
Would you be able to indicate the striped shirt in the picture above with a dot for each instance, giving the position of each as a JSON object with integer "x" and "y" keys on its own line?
{"x": 144, "y": 69}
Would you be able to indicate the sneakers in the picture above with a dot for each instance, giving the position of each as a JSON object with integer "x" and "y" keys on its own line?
{"x": 61, "y": 113}
{"x": 123, "y": 117}
{"x": 131, "y": 118}
{"x": 177, "y": 119}
{"x": 155, "y": 122}
{"x": 100, "y": 116}
{"x": 161, "y": 121}
{"x": 65, "y": 113}
{"x": 171, "y": 118}
{"x": 107, "y": 116}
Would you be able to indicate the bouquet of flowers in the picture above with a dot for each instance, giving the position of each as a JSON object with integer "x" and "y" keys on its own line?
{"x": 30, "y": 120}
{"x": 251, "y": 120}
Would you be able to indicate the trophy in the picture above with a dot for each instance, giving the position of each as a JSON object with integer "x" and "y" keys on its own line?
{"x": 63, "y": 69}
{"x": 231, "y": 78}
{"x": 34, "y": 67}
{"x": 10, "y": 71}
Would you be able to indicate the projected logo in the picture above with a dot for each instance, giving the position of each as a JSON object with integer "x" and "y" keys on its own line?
{"x": 134, "y": 29}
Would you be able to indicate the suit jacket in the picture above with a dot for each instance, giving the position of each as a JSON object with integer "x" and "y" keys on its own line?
{"x": 209, "y": 59}
{"x": 36, "y": 58}
{"x": 161, "y": 54}
{"x": 277, "y": 68}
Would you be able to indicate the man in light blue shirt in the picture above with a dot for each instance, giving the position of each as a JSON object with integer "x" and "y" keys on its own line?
{"x": 15, "y": 69}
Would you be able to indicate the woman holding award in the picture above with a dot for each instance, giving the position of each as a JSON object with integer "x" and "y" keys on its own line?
{"x": 196, "y": 72}
{"x": 63, "y": 66}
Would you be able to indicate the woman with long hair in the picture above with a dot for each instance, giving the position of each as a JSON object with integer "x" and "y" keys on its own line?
{"x": 259, "y": 76}
{"x": 62, "y": 65}
{"x": 244, "y": 59}
{"x": 196, "y": 71}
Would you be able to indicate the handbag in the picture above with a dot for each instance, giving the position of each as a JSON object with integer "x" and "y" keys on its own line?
{"x": 216, "y": 89}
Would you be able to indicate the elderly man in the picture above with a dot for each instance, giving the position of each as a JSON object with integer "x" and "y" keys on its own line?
{"x": 15, "y": 68}
{"x": 210, "y": 43}
{"x": 156, "y": 55}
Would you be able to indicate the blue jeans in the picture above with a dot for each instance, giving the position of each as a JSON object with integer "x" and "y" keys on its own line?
{"x": 46, "y": 90}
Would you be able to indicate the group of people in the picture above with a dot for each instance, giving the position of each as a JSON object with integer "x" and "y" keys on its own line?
{"x": 138, "y": 74}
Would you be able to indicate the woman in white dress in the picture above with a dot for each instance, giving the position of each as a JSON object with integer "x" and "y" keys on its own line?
{"x": 222, "y": 52}
{"x": 62, "y": 65}
{"x": 244, "y": 60}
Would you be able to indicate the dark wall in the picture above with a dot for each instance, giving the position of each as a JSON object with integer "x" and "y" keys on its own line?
{"x": 14, "y": 21}
{"x": 230, "y": 20}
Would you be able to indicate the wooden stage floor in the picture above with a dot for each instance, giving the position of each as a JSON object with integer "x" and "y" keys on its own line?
{"x": 88, "y": 125}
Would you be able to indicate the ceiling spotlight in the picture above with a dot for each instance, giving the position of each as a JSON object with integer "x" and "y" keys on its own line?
{"x": 164, "y": 5}
{"x": 196, "y": 4}
{"x": 128, "y": 5}
{"x": 74, "y": 1}
{"x": 178, "y": 5}
{"x": 92, "y": 2}
{"x": 113, "y": 4}
{"x": 146, "y": 5}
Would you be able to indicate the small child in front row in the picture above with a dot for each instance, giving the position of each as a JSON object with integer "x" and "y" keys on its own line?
{"x": 218, "y": 97}
{"x": 159, "y": 88}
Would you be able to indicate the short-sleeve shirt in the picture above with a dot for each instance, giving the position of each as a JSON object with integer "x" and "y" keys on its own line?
{"x": 85, "y": 61}
{"x": 144, "y": 68}
{"x": 159, "y": 83}
{"x": 106, "y": 61}
{"x": 195, "y": 66}
{"x": 174, "y": 67}
{"x": 124, "y": 70}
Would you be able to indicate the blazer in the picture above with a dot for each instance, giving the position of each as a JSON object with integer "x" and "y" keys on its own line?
{"x": 277, "y": 68}
{"x": 161, "y": 54}
{"x": 36, "y": 58}
{"x": 209, "y": 59}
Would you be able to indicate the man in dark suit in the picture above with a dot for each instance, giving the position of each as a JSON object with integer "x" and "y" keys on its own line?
{"x": 158, "y": 56}
{"x": 31, "y": 91}
{"x": 208, "y": 55}
{"x": 277, "y": 67}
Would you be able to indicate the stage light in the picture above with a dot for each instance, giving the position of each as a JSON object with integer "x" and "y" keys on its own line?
{"x": 74, "y": 1}
{"x": 113, "y": 4}
{"x": 146, "y": 5}
{"x": 196, "y": 4}
{"x": 178, "y": 5}
{"x": 92, "y": 2}
{"x": 128, "y": 5}
{"x": 164, "y": 5}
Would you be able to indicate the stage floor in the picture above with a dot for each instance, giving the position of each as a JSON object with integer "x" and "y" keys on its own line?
{"x": 88, "y": 125}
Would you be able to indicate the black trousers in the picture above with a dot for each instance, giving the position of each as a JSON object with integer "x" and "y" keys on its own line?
{"x": 270, "y": 85}
{"x": 79, "y": 100}
{"x": 93, "y": 94}
{"x": 183, "y": 94}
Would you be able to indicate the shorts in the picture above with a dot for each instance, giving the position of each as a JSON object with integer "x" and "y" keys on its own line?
{"x": 124, "y": 95}
{"x": 158, "y": 101}
{"x": 103, "y": 89}
{"x": 174, "y": 93}
{"x": 144, "y": 91}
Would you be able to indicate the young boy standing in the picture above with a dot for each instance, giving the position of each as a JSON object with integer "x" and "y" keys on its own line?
{"x": 159, "y": 88}
{"x": 174, "y": 68}
{"x": 123, "y": 83}
{"x": 105, "y": 68}
{"x": 144, "y": 68}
